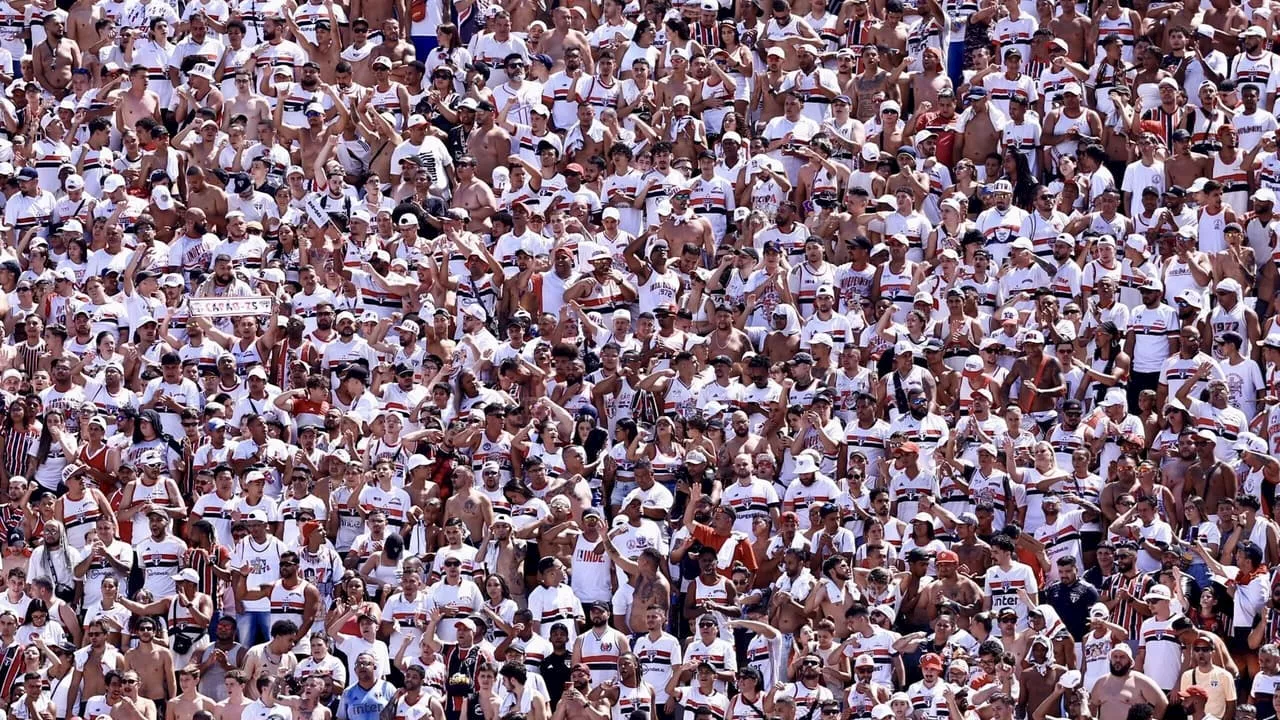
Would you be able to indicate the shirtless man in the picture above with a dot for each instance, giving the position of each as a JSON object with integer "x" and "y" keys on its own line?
{"x": 137, "y": 102}
{"x": 743, "y": 442}
{"x": 1183, "y": 166}
{"x": 726, "y": 339}
{"x": 926, "y": 84}
{"x": 133, "y": 705}
{"x": 81, "y": 21}
{"x": 190, "y": 701}
{"x": 1069, "y": 25}
{"x": 92, "y": 663}
{"x": 1039, "y": 674}
{"x": 787, "y": 606}
{"x": 201, "y": 142}
{"x": 1209, "y": 478}
{"x": 312, "y": 138}
{"x": 204, "y": 200}
{"x": 678, "y": 82}
{"x": 54, "y": 58}
{"x": 765, "y": 93}
{"x": 683, "y": 228}
{"x": 153, "y": 664}
{"x": 893, "y": 31}
{"x": 1124, "y": 687}
{"x": 956, "y": 589}
{"x": 836, "y": 591}
{"x": 871, "y": 86}
{"x": 562, "y": 37}
{"x": 649, "y": 587}
{"x": 1041, "y": 377}
{"x": 393, "y": 47}
{"x": 233, "y": 707}
{"x": 245, "y": 102}
{"x": 468, "y": 503}
{"x": 981, "y": 137}
{"x": 327, "y": 50}
{"x": 488, "y": 144}
{"x": 510, "y": 555}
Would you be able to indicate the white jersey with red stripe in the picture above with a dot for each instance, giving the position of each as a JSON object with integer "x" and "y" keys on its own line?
{"x": 713, "y": 201}
{"x": 693, "y": 700}
{"x": 658, "y": 659}
{"x": 600, "y": 651}
{"x": 719, "y": 653}
{"x": 1002, "y": 587}
{"x": 1235, "y": 183}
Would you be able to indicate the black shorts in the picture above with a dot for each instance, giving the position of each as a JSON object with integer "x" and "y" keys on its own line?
{"x": 1238, "y": 644}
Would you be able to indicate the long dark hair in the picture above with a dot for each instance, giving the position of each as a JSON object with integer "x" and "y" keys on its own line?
{"x": 28, "y": 417}
{"x": 46, "y": 437}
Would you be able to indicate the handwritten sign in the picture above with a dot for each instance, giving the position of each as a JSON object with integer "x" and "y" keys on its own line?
{"x": 315, "y": 210}
{"x": 230, "y": 306}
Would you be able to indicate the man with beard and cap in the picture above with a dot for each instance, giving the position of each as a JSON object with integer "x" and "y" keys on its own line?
{"x": 600, "y": 646}
{"x": 1114, "y": 695}
{"x": 952, "y": 589}
{"x": 346, "y": 348}
{"x": 928, "y": 430}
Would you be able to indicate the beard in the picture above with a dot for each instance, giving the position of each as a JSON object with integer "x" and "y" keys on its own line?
{"x": 919, "y": 414}
{"x": 599, "y": 622}
{"x": 1120, "y": 671}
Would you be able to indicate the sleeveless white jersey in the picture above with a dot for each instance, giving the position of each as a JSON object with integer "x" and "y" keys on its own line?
{"x": 591, "y": 568}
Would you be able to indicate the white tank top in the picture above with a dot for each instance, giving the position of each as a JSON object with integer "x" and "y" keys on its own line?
{"x": 80, "y": 517}
{"x": 1210, "y": 226}
{"x": 660, "y": 289}
{"x": 158, "y": 495}
{"x": 1096, "y": 657}
{"x": 590, "y": 580}
{"x": 896, "y": 287}
{"x": 1233, "y": 320}
{"x": 631, "y": 698}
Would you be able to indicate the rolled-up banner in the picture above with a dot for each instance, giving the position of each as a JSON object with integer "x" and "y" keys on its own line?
{"x": 230, "y": 306}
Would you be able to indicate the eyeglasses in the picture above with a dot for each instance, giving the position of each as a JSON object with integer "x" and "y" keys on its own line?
{"x": 190, "y": 424}
{"x": 288, "y": 563}
{"x": 128, "y": 681}
{"x": 452, "y": 563}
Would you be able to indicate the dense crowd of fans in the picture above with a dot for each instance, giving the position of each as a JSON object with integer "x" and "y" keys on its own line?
{"x": 722, "y": 360}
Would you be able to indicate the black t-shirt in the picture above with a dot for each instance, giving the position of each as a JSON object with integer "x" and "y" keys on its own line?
{"x": 555, "y": 671}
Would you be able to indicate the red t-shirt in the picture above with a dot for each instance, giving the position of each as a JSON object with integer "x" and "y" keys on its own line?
{"x": 742, "y": 552}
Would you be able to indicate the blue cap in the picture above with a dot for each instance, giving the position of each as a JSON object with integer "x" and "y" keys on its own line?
{"x": 908, "y": 150}
{"x": 27, "y": 173}
{"x": 975, "y": 92}
{"x": 544, "y": 58}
